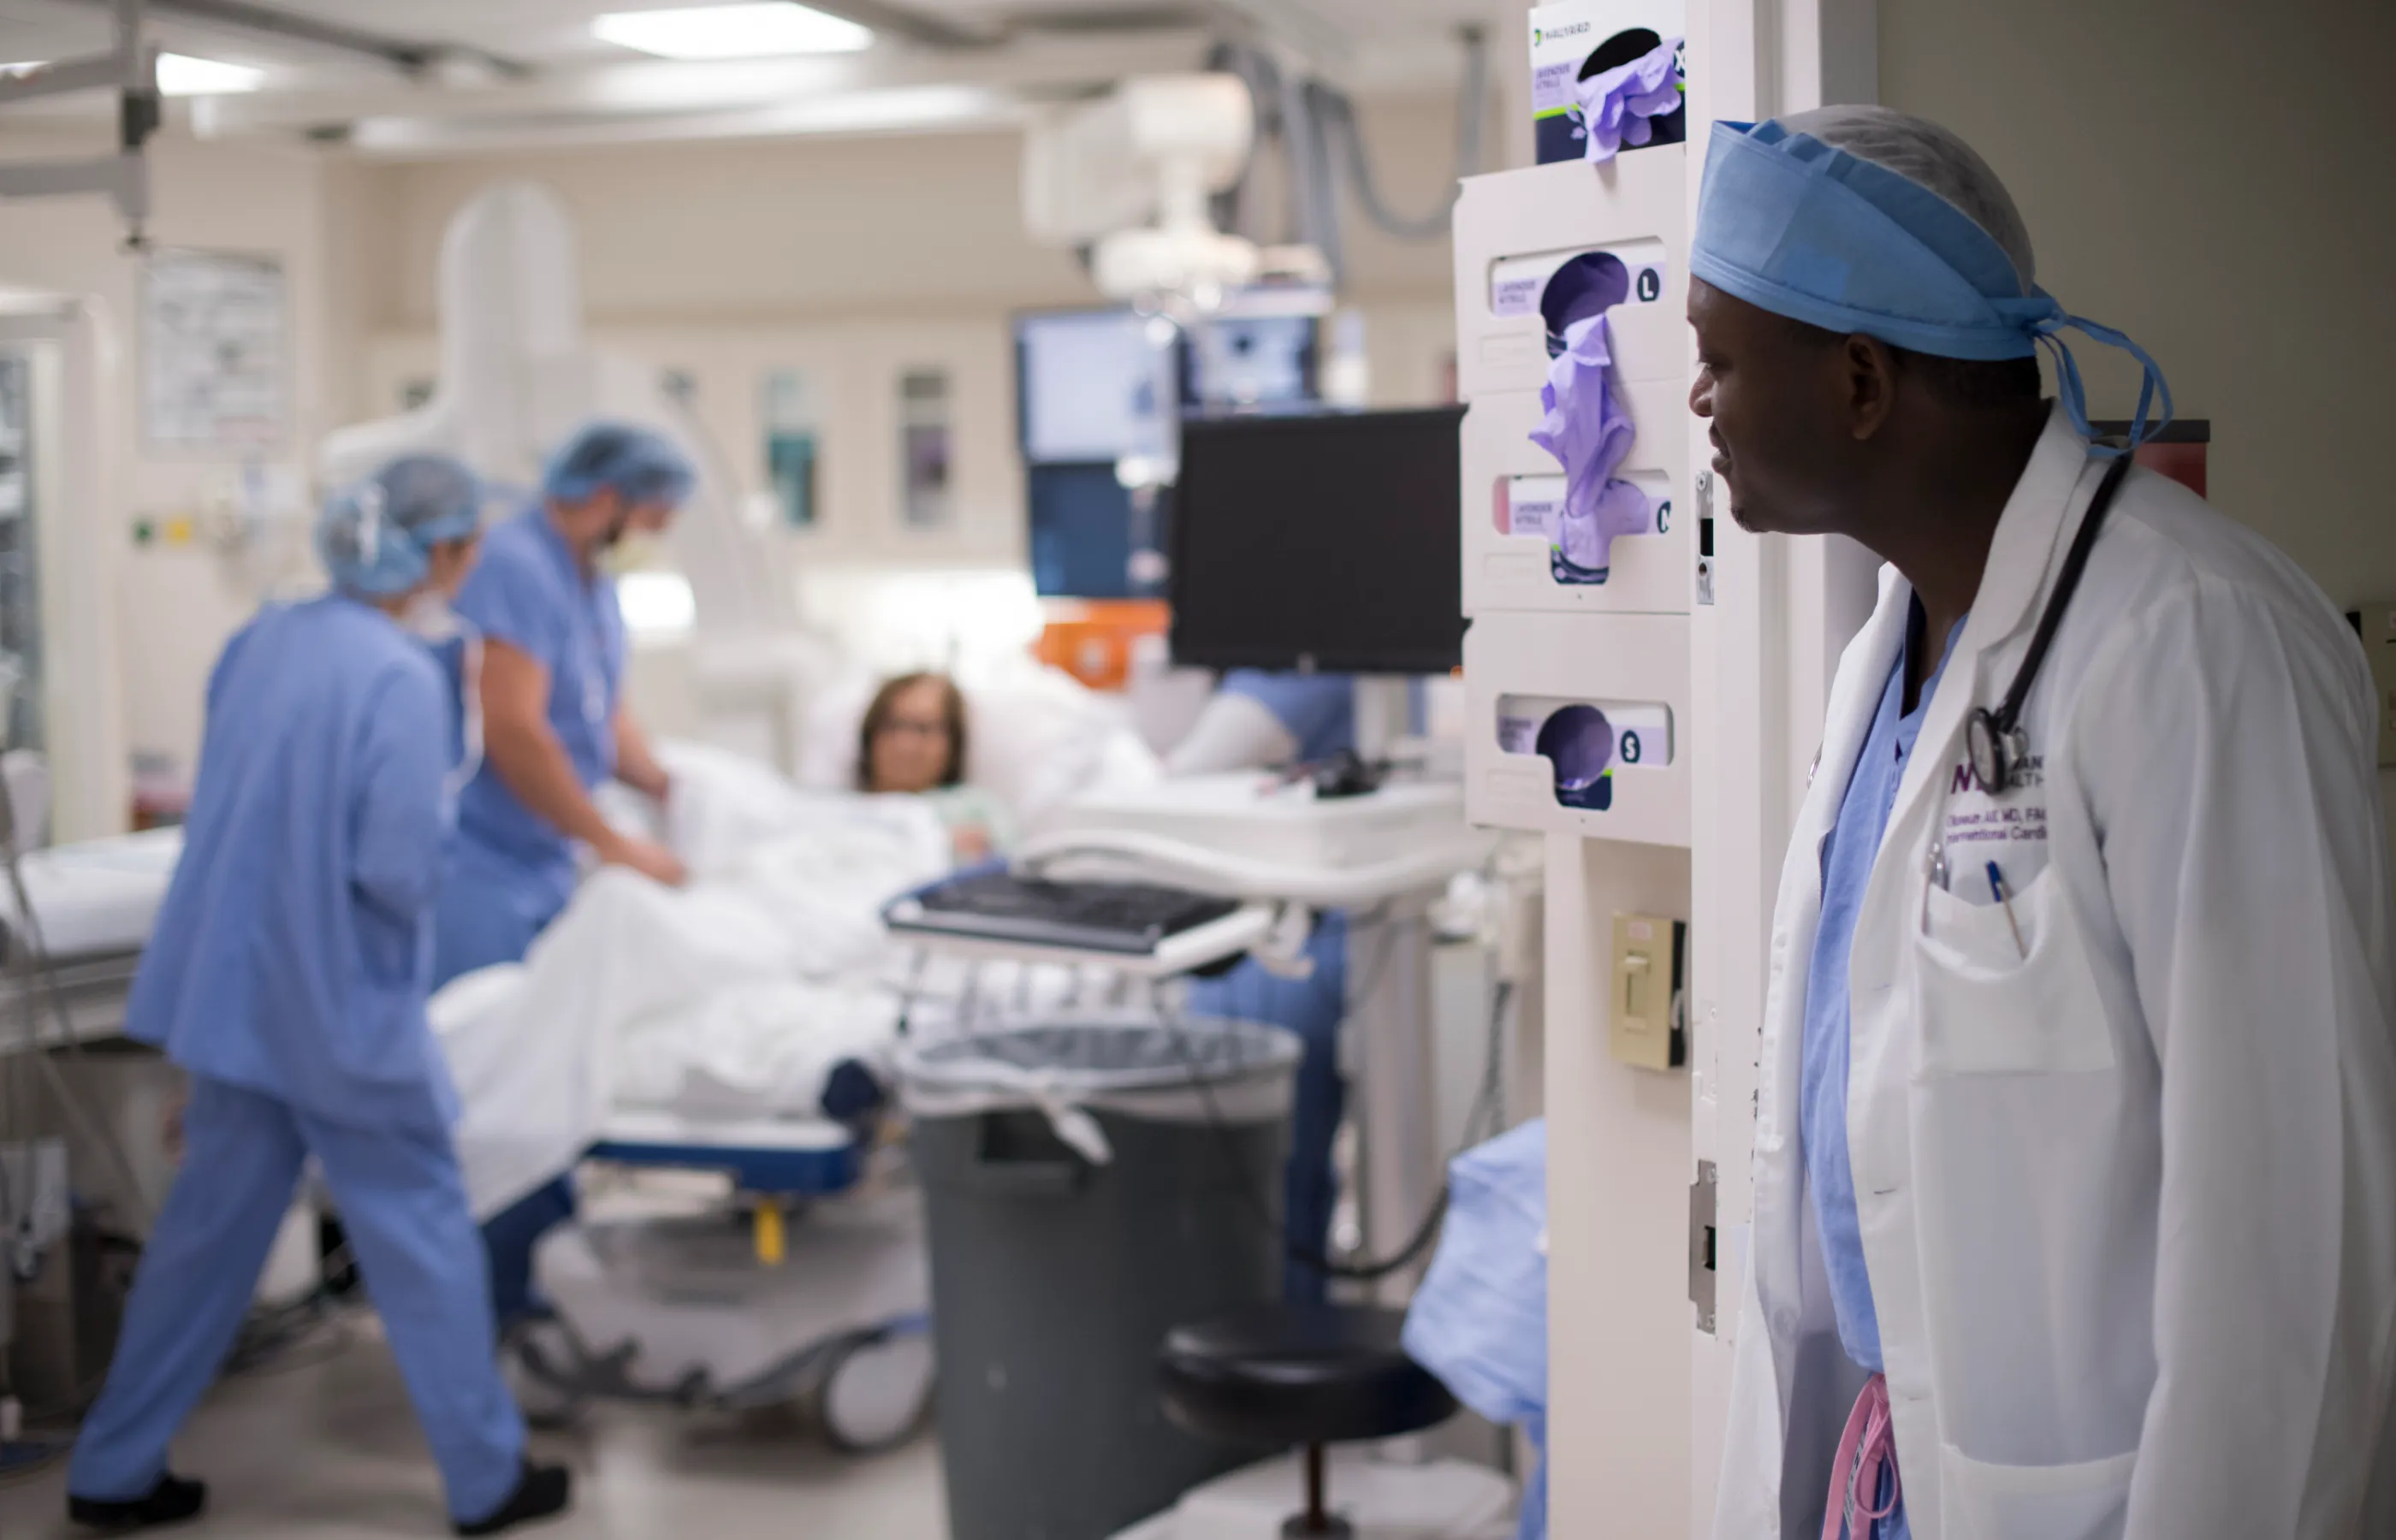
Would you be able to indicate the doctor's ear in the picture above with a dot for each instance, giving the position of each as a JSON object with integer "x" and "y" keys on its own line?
{"x": 1868, "y": 372}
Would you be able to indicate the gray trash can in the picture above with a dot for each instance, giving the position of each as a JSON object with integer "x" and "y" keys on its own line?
{"x": 1089, "y": 1187}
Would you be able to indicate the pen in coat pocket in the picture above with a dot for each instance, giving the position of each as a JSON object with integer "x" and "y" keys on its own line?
{"x": 2005, "y": 896}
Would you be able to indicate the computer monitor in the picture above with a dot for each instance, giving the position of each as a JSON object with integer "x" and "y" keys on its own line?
{"x": 1087, "y": 385}
{"x": 1090, "y": 537}
{"x": 1250, "y": 361}
{"x": 1329, "y": 542}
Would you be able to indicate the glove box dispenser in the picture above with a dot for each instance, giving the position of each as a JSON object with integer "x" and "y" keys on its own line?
{"x": 1521, "y": 233}
{"x": 1576, "y": 723}
{"x": 1513, "y": 500}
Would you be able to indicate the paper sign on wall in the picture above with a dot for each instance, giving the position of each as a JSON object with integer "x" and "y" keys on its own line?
{"x": 215, "y": 353}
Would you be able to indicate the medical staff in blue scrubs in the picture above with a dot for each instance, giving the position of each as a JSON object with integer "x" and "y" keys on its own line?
{"x": 555, "y": 729}
{"x": 1258, "y": 719}
{"x": 1848, "y": 854}
{"x": 553, "y": 676}
{"x": 288, "y": 974}
{"x": 1305, "y": 719}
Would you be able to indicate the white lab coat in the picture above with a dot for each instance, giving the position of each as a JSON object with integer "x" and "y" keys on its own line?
{"x": 2128, "y": 1203}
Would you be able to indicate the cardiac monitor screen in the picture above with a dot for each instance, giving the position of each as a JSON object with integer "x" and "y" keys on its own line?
{"x": 1329, "y": 542}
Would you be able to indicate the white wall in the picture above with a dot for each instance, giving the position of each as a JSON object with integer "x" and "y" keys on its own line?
{"x": 854, "y": 260}
{"x": 176, "y": 605}
{"x": 924, "y": 225}
{"x": 2207, "y": 176}
{"x": 854, "y": 257}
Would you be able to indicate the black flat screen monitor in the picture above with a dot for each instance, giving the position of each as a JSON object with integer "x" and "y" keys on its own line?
{"x": 1323, "y": 542}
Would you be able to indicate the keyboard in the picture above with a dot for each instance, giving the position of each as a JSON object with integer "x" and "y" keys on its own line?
{"x": 1131, "y": 919}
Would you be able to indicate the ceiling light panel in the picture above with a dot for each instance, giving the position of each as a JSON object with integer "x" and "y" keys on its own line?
{"x": 732, "y": 32}
{"x": 182, "y": 76}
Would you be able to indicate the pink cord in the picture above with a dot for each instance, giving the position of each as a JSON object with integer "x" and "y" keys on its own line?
{"x": 1867, "y": 1448}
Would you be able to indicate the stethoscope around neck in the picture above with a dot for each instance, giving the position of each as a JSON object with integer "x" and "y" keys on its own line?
{"x": 1996, "y": 744}
{"x": 1996, "y": 741}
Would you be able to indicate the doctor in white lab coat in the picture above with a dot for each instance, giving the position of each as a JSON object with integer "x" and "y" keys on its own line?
{"x": 2076, "y": 1194}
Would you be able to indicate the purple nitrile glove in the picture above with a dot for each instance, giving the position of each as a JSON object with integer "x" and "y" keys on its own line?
{"x": 1615, "y": 107}
{"x": 1587, "y": 433}
{"x": 1586, "y": 535}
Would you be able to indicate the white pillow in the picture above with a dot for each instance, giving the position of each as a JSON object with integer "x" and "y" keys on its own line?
{"x": 1036, "y": 741}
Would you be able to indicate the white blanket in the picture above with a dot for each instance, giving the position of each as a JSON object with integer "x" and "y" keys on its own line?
{"x": 733, "y": 997}
{"x": 98, "y": 896}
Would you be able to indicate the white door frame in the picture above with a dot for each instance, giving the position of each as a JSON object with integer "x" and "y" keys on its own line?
{"x": 1762, "y": 657}
{"x": 76, "y": 359}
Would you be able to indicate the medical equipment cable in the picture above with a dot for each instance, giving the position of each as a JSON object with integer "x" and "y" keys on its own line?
{"x": 36, "y": 951}
{"x": 1487, "y": 1104}
{"x": 272, "y": 1340}
{"x": 1305, "y": 117}
{"x": 1336, "y": 113}
{"x": 54, "y": 990}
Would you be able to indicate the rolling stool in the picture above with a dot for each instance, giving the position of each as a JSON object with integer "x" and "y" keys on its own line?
{"x": 1308, "y": 1376}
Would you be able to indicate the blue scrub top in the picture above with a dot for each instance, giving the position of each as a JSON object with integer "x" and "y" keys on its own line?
{"x": 528, "y": 592}
{"x": 292, "y": 955}
{"x": 1847, "y": 858}
{"x": 1319, "y": 709}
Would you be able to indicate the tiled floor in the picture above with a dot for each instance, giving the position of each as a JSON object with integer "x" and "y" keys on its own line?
{"x": 329, "y": 1451}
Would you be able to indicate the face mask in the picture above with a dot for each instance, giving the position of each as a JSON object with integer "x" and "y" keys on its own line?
{"x": 470, "y": 695}
{"x": 429, "y": 618}
{"x": 633, "y": 552}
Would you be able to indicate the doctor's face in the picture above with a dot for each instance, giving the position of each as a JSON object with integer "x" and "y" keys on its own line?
{"x": 1780, "y": 404}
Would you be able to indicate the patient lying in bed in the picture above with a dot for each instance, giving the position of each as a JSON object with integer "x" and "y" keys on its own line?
{"x": 767, "y": 987}
{"x": 739, "y": 995}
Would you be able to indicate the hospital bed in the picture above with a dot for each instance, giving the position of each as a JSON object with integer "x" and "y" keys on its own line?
{"x": 93, "y": 906}
{"x": 828, "y": 1275}
{"x": 803, "y": 1278}
{"x": 821, "y": 1302}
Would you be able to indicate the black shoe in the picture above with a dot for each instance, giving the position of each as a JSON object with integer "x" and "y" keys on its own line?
{"x": 172, "y": 1501}
{"x": 542, "y": 1492}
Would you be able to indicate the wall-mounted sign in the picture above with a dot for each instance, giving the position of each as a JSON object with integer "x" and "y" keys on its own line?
{"x": 216, "y": 353}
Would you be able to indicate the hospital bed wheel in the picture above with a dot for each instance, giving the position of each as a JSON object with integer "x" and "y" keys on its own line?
{"x": 875, "y": 1391}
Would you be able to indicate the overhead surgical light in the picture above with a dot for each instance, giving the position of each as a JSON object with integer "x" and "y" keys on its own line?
{"x": 182, "y": 75}
{"x": 765, "y": 31}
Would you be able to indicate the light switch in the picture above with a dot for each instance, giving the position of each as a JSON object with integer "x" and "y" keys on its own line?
{"x": 2377, "y": 624}
{"x": 1649, "y": 965}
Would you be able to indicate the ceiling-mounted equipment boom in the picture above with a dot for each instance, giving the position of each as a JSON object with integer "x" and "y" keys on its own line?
{"x": 129, "y": 68}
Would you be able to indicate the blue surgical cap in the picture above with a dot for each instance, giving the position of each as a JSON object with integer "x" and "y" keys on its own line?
{"x": 377, "y": 535}
{"x": 1803, "y": 228}
{"x": 641, "y": 467}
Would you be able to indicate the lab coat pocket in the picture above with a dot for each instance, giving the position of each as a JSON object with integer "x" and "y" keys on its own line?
{"x": 2089, "y": 1501}
{"x": 2007, "y": 990}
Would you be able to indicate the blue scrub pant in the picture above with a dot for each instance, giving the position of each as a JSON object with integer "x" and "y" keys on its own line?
{"x": 1314, "y": 1007}
{"x": 404, "y": 1202}
{"x": 490, "y": 910}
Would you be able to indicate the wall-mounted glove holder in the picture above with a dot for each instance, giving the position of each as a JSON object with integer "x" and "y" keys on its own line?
{"x": 1586, "y": 744}
{"x": 1630, "y": 284}
{"x": 1519, "y": 232}
{"x": 1513, "y": 494}
{"x": 1530, "y": 511}
{"x": 1576, "y": 725}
